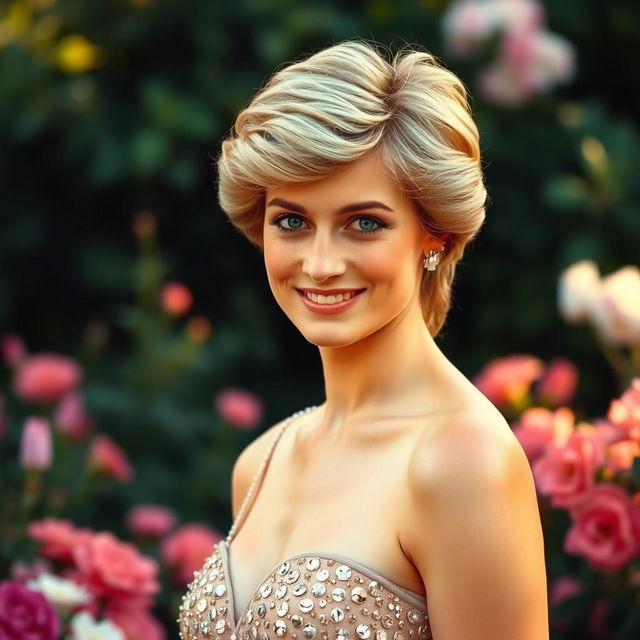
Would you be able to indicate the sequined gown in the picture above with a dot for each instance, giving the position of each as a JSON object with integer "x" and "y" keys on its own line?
{"x": 314, "y": 595}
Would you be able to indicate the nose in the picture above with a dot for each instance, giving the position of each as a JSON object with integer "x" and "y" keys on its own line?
{"x": 323, "y": 259}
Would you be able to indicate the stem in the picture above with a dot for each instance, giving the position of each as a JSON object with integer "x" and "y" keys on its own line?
{"x": 616, "y": 359}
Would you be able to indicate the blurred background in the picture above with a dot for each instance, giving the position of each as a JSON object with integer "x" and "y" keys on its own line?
{"x": 138, "y": 328}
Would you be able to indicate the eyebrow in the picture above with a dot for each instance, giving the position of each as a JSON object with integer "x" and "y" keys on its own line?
{"x": 356, "y": 206}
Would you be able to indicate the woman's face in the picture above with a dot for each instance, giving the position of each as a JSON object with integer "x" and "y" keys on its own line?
{"x": 355, "y": 232}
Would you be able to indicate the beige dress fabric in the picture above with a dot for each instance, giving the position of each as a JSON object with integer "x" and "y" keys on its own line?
{"x": 315, "y": 595}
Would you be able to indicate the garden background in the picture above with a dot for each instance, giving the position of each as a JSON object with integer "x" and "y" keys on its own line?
{"x": 116, "y": 258}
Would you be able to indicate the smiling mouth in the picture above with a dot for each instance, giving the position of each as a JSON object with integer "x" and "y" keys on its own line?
{"x": 330, "y": 299}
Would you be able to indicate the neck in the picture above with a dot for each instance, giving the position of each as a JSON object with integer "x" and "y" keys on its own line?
{"x": 396, "y": 371}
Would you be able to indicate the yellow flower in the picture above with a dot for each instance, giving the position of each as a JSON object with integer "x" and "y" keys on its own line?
{"x": 75, "y": 54}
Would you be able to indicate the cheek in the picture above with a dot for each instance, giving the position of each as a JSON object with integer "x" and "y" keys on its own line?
{"x": 277, "y": 261}
{"x": 389, "y": 266}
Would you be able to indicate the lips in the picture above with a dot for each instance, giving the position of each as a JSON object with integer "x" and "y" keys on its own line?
{"x": 329, "y": 308}
{"x": 329, "y": 292}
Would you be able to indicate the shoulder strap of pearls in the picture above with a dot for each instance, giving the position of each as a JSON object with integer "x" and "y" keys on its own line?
{"x": 257, "y": 478}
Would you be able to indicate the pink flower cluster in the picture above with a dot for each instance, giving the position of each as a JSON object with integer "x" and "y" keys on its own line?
{"x": 529, "y": 58}
{"x": 508, "y": 382}
{"x": 121, "y": 581}
{"x": 239, "y": 408}
{"x": 585, "y": 468}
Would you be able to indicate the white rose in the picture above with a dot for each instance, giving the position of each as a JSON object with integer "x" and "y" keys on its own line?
{"x": 64, "y": 594}
{"x": 616, "y": 313}
{"x": 85, "y": 627}
{"x": 578, "y": 291}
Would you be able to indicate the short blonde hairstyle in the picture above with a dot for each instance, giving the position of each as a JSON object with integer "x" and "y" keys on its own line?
{"x": 342, "y": 103}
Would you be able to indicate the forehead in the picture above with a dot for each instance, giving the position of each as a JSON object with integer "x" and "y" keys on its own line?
{"x": 364, "y": 179}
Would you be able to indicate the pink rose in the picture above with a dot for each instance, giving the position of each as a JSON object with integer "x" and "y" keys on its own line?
{"x": 466, "y": 25}
{"x": 240, "y": 408}
{"x": 558, "y": 384}
{"x": 176, "y": 299}
{"x": 620, "y": 455}
{"x": 605, "y": 529}
{"x": 26, "y": 614}
{"x": 114, "y": 568}
{"x": 538, "y": 427}
{"x": 105, "y": 456}
{"x": 46, "y": 377}
{"x": 624, "y": 412}
{"x": 150, "y": 520}
{"x": 13, "y": 349}
{"x": 566, "y": 473}
{"x": 58, "y": 537}
{"x": 507, "y": 380}
{"x": 187, "y": 548}
{"x": 20, "y": 572}
{"x": 563, "y": 588}
{"x": 35, "y": 444}
{"x": 71, "y": 419}
{"x": 135, "y": 622}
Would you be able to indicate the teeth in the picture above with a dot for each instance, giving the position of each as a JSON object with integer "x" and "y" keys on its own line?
{"x": 316, "y": 297}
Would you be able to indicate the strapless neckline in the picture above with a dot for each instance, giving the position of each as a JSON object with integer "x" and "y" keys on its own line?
{"x": 225, "y": 552}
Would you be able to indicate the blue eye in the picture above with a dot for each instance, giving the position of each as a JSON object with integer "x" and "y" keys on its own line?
{"x": 368, "y": 224}
{"x": 292, "y": 227}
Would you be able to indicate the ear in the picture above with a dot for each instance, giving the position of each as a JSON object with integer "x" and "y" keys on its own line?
{"x": 436, "y": 242}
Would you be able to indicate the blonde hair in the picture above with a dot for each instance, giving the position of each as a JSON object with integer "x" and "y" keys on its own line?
{"x": 347, "y": 101}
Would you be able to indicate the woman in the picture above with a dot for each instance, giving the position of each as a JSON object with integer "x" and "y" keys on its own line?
{"x": 360, "y": 180}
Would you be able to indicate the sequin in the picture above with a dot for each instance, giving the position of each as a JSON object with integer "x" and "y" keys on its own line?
{"x": 337, "y": 614}
{"x": 292, "y": 576}
{"x": 358, "y": 594}
{"x": 306, "y": 604}
{"x": 343, "y": 572}
{"x": 363, "y": 631}
{"x": 338, "y": 594}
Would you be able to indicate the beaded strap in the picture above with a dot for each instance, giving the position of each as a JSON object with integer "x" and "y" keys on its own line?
{"x": 261, "y": 469}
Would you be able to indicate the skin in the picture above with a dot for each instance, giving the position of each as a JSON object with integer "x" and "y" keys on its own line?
{"x": 398, "y": 421}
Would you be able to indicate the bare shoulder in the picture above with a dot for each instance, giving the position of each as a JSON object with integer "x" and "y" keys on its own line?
{"x": 248, "y": 462}
{"x": 476, "y": 439}
{"x": 474, "y": 531}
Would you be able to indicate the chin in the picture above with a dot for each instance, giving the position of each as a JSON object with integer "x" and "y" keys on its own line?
{"x": 333, "y": 337}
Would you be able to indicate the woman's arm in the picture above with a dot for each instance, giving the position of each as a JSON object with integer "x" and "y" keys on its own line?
{"x": 476, "y": 533}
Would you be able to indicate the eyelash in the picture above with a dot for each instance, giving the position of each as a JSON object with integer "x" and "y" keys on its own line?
{"x": 276, "y": 222}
